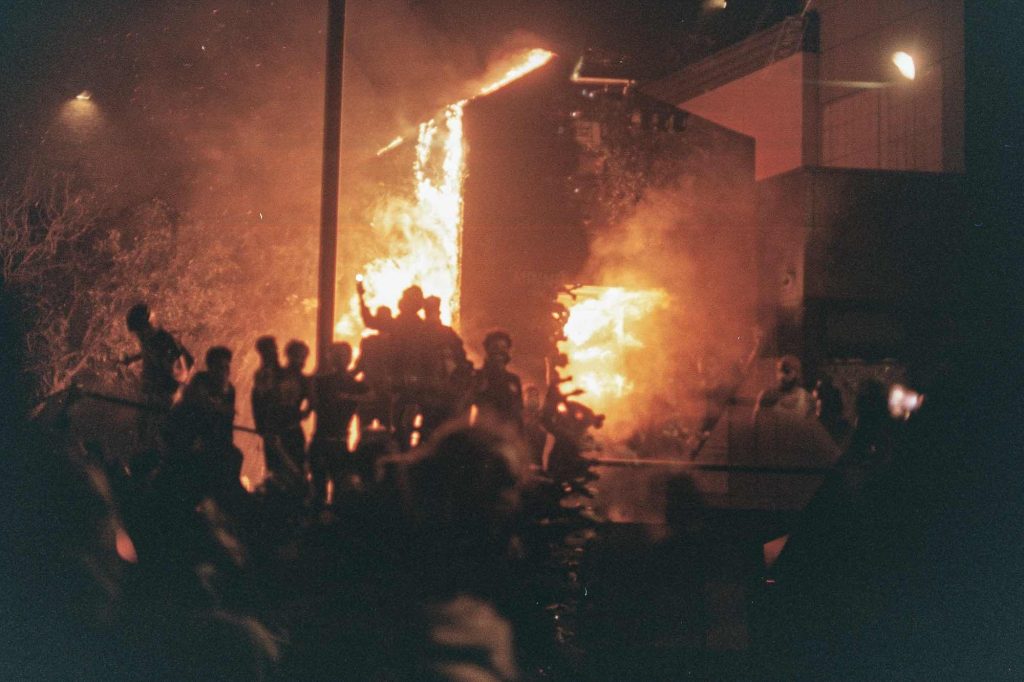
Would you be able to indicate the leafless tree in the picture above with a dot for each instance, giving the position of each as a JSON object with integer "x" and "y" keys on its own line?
{"x": 74, "y": 267}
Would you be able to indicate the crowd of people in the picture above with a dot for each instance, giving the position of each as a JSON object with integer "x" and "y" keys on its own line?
{"x": 424, "y": 551}
{"x": 412, "y": 375}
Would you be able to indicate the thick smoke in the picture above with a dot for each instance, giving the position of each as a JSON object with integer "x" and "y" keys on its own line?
{"x": 693, "y": 238}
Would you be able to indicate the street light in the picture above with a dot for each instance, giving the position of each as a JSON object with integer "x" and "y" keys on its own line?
{"x": 80, "y": 114}
{"x": 905, "y": 63}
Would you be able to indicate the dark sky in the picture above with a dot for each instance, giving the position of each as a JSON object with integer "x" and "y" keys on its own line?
{"x": 224, "y": 97}
{"x": 53, "y": 48}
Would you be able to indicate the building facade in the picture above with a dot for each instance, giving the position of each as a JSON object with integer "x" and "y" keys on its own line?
{"x": 859, "y": 167}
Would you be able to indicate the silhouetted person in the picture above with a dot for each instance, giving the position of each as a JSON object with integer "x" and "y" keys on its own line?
{"x": 294, "y": 393}
{"x": 411, "y": 355}
{"x": 871, "y": 444}
{"x": 787, "y": 395}
{"x": 201, "y": 428}
{"x": 335, "y": 398}
{"x": 376, "y": 365}
{"x": 446, "y": 342}
{"x": 496, "y": 391}
{"x": 411, "y": 366}
{"x": 266, "y": 387}
{"x": 268, "y": 413}
{"x": 464, "y": 494}
{"x": 165, "y": 368}
{"x": 842, "y": 564}
{"x": 829, "y": 405}
{"x": 449, "y": 371}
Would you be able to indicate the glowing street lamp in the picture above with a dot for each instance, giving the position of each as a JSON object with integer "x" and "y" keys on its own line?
{"x": 905, "y": 63}
{"x": 80, "y": 114}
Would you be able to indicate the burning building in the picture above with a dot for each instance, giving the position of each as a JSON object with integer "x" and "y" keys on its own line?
{"x": 574, "y": 181}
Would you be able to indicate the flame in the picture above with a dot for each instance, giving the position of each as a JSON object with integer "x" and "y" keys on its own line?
{"x": 422, "y": 236}
{"x": 604, "y": 331}
{"x": 533, "y": 60}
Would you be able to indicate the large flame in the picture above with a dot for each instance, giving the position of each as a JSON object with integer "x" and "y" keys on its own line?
{"x": 423, "y": 236}
{"x": 604, "y": 333}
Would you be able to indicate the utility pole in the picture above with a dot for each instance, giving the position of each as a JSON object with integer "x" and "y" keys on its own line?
{"x": 330, "y": 179}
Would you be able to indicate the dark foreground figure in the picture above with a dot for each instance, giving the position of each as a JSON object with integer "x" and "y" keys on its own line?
{"x": 455, "y": 562}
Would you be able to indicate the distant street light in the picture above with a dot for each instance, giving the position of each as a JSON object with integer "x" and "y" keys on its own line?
{"x": 905, "y": 63}
{"x": 80, "y": 114}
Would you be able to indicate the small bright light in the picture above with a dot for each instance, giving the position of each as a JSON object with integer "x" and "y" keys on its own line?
{"x": 905, "y": 63}
{"x": 84, "y": 96}
{"x": 903, "y": 401}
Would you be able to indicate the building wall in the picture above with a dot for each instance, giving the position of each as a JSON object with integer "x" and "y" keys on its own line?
{"x": 857, "y": 263}
{"x": 906, "y": 125}
{"x": 767, "y": 105}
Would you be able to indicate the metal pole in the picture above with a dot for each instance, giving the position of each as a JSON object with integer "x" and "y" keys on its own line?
{"x": 330, "y": 178}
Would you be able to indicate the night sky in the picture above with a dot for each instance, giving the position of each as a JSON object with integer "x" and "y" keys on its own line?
{"x": 179, "y": 81}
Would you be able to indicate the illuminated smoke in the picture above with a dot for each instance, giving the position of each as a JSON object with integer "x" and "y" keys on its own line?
{"x": 605, "y": 342}
{"x": 678, "y": 314}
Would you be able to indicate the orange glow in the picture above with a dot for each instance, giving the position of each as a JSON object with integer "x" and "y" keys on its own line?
{"x": 605, "y": 328}
{"x": 354, "y": 433}
{"x": 125, "y": 547}
{"x": 422, "y": 234}
{"x": 533, "y": 60}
